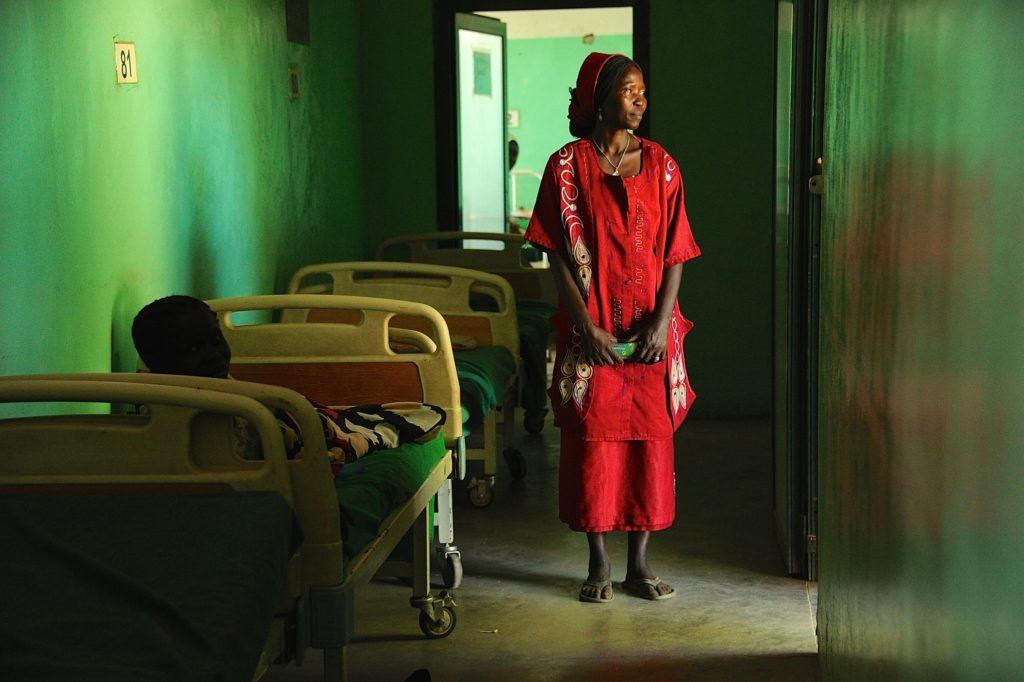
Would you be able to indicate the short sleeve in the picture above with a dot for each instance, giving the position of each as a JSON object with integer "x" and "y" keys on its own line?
{"x": 680, "y": 245}
{"x": 545, "y": 228}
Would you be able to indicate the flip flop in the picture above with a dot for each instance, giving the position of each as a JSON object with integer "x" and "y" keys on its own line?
{"x": 599, "y": 586}
{"x": 646, "y": 588}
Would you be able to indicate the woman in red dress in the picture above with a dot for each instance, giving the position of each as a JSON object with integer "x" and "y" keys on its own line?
{"x": 610, "y": 212}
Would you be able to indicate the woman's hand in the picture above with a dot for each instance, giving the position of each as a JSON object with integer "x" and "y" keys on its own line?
{"x": 596, "y": 345}
{"x": 651, "y": 337}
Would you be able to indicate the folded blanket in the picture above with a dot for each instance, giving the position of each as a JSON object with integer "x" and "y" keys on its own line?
{"x": 357, "y": 431}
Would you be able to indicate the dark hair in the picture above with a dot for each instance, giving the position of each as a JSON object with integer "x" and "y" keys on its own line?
{"x": 610, "y": 74}
{"x": 152, "y": 325}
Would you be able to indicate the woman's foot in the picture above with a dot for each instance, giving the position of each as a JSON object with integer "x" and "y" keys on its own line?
{"x": 597, "y": 588}
{"x": 648, "y": 588}
{"x": 640, "y": 579}
{"x": 596, "y": 591}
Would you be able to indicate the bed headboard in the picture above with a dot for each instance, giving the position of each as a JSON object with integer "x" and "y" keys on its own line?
{"x": 181, "y": 443}
{"x": 158, "y": 447}
{"x": 449, "y": 290}
{"x": 349, "y": 361}
{"x": 530, "y": 281}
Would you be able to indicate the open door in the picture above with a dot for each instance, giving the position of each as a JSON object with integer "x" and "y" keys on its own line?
{"x": 482, "y": 132}
{"x": 799, "y": 107}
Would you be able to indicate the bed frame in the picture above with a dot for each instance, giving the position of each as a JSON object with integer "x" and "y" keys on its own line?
{"x": 351, "y": 362}
{"x": 183, "y": 446}
{"x": 530, "y": 281}
{"x": 450, "y": 291}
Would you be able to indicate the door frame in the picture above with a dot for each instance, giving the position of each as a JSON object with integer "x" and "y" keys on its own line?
{"x": 818, "y": 64}
{"x": 797, "y": 525}
{"x": 446, "y": 128}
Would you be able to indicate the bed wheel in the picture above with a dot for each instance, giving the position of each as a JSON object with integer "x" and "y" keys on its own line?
{"x": 516, "y": 463}
{"x": 480, "y": 493}
{"x": 533, "y": 422}
{"x": 442, "y": 627}
{"x": 452, "y": 571}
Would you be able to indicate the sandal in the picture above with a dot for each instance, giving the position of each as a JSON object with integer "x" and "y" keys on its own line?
{"x": 598, "y": 586}
{"x": 646, "y": 588}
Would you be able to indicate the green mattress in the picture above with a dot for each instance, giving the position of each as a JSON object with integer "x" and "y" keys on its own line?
{"x": 483, "y": 375}
{"x": 372, "y": 486}
{"x": 134, "y": 587}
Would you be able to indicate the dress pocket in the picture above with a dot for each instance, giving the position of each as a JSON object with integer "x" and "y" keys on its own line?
{"x": 680, "y": 392}
{"x": 572, "y": 381}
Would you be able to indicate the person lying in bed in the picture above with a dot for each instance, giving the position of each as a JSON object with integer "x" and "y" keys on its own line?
{"x": 180, "y": 335}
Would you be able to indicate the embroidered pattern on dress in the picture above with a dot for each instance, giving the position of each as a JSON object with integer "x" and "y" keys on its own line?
{"x": 617, "y": 316}
{"x": 639, "y": 272}
{"x": 575, "y": 373}
{"x": 677, "y": 371}
{"x": 670, "y": 168}
{"x": 571, "y": 222}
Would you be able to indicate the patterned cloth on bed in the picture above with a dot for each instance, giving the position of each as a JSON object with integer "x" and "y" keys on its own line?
{"x": 357, "y": 431}
{"x": 349, "y": 433}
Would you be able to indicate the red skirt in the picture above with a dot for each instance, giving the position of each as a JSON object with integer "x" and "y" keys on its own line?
{"x": 616, "y": 485}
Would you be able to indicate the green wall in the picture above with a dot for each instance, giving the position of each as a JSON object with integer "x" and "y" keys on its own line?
{"x": 204, "y": 178}
{"x": 922, "y": 375}
{"x": 540, "y": 73}
{"x": 711, "y": 105}
{"x": 397, "y": 124}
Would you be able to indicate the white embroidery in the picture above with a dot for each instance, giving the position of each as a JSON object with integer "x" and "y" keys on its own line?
{"x": 677, "y": 371}
{"x": 571, "y": 222}
{"x": 576, "y": 373}
{"x": 670, "y": 168}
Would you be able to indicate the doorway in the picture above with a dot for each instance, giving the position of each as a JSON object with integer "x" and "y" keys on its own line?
{"x": 481, "y": 103}
{"x": 503, "y": 74}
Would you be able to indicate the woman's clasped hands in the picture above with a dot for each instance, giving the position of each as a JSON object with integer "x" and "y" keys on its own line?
{"x": 650, "y": 336}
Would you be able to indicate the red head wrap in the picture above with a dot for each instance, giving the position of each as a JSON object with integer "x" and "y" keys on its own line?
{"x": 581, "y": 105}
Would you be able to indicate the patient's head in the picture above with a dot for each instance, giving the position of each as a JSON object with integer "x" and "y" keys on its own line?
{"x": 180, "y": 335}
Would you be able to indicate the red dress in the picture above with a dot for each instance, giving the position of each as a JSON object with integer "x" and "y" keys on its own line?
{"x": 618, "y": 235}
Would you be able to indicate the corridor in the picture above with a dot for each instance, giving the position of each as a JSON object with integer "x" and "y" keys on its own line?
{"x": 736, "y": 615}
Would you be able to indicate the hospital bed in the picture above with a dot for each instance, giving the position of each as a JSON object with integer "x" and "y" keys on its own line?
{"x": 486, "y": 340}
{"x": 141, "y": 543}
{"x": 531, "y": 280}
{"x": 351, "y": 362}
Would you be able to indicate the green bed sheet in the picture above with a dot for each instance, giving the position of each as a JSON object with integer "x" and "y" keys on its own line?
{"x": 372, "y": 486}
{"x": 483, "y": 374}
{"x": 134, "y": 587}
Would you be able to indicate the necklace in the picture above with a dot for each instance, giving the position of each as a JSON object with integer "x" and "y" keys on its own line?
{"x": 615, "y": 166}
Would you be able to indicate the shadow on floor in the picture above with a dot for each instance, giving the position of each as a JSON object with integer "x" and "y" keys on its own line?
{"x": 764, "y": 668}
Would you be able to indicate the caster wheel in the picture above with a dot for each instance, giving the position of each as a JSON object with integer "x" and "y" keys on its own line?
{"x": 440, "y": 628}
{"x": 480, "y": 494}
{"x": 516, "y": 464}
{"x": 533, "y": 422}
{"x": 452, "y": 572}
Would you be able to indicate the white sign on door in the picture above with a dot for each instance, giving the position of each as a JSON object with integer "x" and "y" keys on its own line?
{"x": 125, "y": 65}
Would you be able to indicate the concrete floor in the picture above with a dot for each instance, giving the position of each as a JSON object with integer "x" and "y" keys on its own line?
{"x": 736, "y": 615}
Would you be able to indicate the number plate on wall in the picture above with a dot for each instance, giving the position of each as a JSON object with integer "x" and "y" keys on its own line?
{"x": 125, "y": 65}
